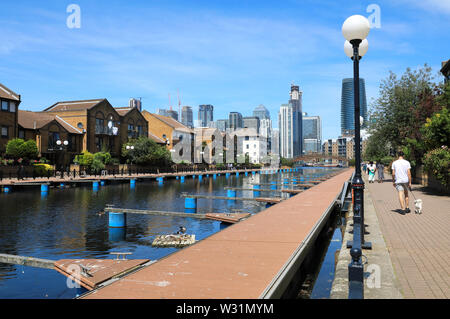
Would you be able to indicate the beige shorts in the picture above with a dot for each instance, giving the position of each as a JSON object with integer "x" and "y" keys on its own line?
{"x": 402, "y": 186}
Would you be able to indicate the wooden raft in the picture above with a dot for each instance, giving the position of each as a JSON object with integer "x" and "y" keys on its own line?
{"x": 90, "y": 273}
{"x": 173, "y": 240}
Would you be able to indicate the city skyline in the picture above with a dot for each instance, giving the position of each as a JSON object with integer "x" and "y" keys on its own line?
{"x": 257, "y": 56}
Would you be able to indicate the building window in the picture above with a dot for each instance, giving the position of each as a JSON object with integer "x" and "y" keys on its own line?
{"x": 5, "y": 106}
{"x": 130, "y": 130}
{"x": 12, "y": 107}
{"x": 247, "y": 146}
{"x": 99, "y": 126}
{"x": 98, "y": 143}
{"x": 21, "y": 134}
{"x": 52, "y": 138}
{"x": 4, "y": 131}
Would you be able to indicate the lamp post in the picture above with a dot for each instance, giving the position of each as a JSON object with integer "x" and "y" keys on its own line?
{"x": 61, "y": 146}
{"x": 131, "y": 149}
{"x": 355, "y": 30}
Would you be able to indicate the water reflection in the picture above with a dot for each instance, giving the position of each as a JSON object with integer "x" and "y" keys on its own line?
{"x": 67, "y": 223}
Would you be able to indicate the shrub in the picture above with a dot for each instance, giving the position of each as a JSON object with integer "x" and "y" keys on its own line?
{"x": 437, "y": 162}
{"x": 103, "y": 157}
{"x": 85, "y": 159}
{"x": 97, "y": 165}
{"x": 19, "y": 149}
{"x": 42, "y": 169}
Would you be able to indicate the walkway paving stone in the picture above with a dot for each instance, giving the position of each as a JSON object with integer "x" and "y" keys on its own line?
{"x": 419, "y": 245}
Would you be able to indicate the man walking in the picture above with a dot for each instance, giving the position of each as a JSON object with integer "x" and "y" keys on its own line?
{"x": 380, "y": 170}
{"x": 401, "y": 178}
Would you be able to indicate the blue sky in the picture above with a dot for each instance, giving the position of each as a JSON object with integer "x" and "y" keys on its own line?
{"x": 232, "y": 54}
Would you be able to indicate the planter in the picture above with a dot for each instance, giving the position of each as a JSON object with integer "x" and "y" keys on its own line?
{"x": 427, "y": 179}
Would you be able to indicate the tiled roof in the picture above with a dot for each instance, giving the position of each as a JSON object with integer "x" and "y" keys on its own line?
{"x": 156, "y": 138}
{"x": 73, "y": 105}
{"x": 36, "y": 120}
{"x": 8, "y": 94}
{"x": 123, "y": 110}
{"x": 172, "y": 122}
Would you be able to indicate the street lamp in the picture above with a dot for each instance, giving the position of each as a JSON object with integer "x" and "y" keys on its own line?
{"x": 355, "y": 30}
{"x": 130, "y": 148}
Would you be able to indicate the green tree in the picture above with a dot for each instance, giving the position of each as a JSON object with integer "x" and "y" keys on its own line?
{"x": 18, "y": 148}
{"x": 84, "y": 159}
{"x": 147, "y": 152}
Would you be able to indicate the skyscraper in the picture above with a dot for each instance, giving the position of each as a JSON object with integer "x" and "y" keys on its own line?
{"x": 348, "y": 106}
{"x": 235, "y": 121}
{"x": 290, "y": 125}
{"x": 251, "y": 122}
{"x": 312, "y": 134}
{"x": 205, "y": 115}
{"x": 261, "y": 112}
{"x": 187, "y": 117}
{"x": 135, "y": 103}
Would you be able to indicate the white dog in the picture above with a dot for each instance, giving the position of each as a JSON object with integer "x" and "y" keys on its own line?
{"x": 418, "y": 206}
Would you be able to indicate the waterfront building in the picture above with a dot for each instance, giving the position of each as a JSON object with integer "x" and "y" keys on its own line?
{"x": 445, "y": 70}
{"x": 97, "y": 119}
{"x": 250, "y": 143}
{"x": 9, "y": 106}
{"x": 205, "y": 115}
{"x": 132, "y": 124}
{"x": 348, "y": 106}
{"x": 46, "y": 130}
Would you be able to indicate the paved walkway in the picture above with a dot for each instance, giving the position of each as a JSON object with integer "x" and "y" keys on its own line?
{"x": 419, "y": 245}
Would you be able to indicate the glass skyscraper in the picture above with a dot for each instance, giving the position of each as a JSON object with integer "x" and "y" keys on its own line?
{"x": 348, "y": 106}
{"x": 290, "y": 125}
{"x": 205, "y": 115}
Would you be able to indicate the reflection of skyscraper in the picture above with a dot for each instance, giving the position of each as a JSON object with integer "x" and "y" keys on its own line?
{"x": 290, "y": 125}
{"x": 187, "y": 117}
{"x": 348, "y": 106}
{"x": 205, "y": 115}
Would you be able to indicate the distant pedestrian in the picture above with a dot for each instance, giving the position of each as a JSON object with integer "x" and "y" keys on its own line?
{"x": 372, "y": 168}
{"x": 365, "y": 167}
{"x": 380, "y": 170}
{"x": 401, "y": 178}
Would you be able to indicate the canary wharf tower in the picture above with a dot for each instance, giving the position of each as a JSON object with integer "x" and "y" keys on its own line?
{"x": 348, "y": 106}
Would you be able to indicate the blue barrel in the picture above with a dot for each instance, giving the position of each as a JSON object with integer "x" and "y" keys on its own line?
{"x": 190, "y": 203}
{"x": 200, "y": 177}
{"x": 6, "y": 189}
{"x": 102, "y": 183}
{"x": 193, "y": 176}
{"x": 44, "y": 188}
{"x": 253, "y": 173}
{"x": 227, "y": 175}
{"x": 273, "y": 185}
{"x": 132, "y": 183}
{"x": 160, "y": 180}
{"x": 256, "y": 193}
{"x": 177, "y": 177}
{"x": 285, "y": 181}
{"x": 117, "y": 219}
{"x": 182, "y": 179}
{"x": 294, "y": 181}
{"x": 61, "y": 185}
{"x": 237, "y": 173}
{"x": 94, "y": 185}
{"x": 214, "y": 176}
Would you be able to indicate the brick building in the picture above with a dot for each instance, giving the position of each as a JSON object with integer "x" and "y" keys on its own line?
{"x": 47, "y": 130}
{"x": 9, "y": 105}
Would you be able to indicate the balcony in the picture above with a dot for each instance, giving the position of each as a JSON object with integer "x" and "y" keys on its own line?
{"x": 103, "y": 130}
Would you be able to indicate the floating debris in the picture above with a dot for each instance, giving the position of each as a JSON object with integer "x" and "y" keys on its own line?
{"x": 177, "y": 240}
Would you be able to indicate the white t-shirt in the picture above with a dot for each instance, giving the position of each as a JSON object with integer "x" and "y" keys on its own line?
{"x": 400, "y": 168}
{"x": 372, "y": 168}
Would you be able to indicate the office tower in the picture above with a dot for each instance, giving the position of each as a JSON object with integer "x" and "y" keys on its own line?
{"x": 135, "y": 103}
{"x": 290, "y": 125}
{"x": 235, "y": 121}
{"x": 162, "y": 112}
{"x": 348, "y": 106}
{"x": 205, "y": 115}
{"x": 251, "y": 122}
{"x": 222, "y": 125}
{"x": 312, "y": 134}
{"x": 261, "y": 112}
{"x": 173, "y": 114}
{"x": 187, "y": 117}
